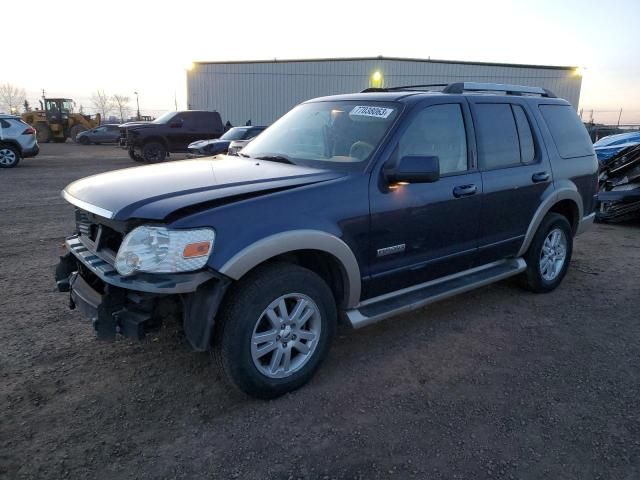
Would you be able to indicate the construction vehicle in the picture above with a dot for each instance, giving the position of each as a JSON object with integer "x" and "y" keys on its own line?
{"x": 56, "y": 121}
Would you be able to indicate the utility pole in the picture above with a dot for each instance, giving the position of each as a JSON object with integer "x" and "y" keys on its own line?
{"x": 138, "y": 104}
{"x": 619, "y": 115}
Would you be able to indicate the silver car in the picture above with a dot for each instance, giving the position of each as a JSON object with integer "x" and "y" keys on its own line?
{"x": 17, "y": 140}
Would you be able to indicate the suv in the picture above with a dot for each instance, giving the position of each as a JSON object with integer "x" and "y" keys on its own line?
{"x": 354, "y": 207}
{"x": 17, "y": 140}
{"x": 150, "y": 142}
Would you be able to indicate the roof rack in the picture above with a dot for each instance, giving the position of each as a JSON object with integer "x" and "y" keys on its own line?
{"x": 461, "y": 87}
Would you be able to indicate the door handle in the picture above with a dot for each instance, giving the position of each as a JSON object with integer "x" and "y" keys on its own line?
{"x": 540, "y": 177}
{"x": 464, "y": 190}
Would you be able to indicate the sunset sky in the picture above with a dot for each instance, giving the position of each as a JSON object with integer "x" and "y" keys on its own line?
{"x": 72, "y": 48}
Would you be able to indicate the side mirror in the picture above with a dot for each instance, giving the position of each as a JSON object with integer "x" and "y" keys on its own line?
{"x": 414, "y": 169}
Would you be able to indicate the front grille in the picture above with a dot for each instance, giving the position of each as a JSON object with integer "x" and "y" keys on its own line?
{"x": 97, "y": 237}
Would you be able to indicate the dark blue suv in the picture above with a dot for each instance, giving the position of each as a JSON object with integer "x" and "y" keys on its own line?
{"x": 352, "y": 207}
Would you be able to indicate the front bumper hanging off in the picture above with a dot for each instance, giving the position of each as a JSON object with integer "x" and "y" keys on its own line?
{"x": 133, "y": 306}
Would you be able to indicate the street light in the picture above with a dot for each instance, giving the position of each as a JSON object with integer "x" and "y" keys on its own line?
{"x": 138, "y": 104}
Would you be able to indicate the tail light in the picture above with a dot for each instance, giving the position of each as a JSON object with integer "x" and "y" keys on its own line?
{"x": 29, "y": 131}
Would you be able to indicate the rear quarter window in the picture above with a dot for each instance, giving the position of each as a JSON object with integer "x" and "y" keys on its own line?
{"x": 568, "y": 132}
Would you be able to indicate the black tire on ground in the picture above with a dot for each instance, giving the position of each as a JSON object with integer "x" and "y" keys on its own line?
{"x": 9, "y": 156}
{"x": 84, "y": 140}
{"x": 241, "y": 316}
{"x": 133, "y": 156}
{"x": 154, "y": 152}
{"x": 75, "y": 130}
{"x": 533, "y": 278}
{"x": 43, "y": 133}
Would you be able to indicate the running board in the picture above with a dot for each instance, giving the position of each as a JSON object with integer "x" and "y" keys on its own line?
{"x": 412, "y": 298}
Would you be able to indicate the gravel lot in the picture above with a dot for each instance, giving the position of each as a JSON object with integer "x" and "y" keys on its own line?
{"x": 496, "y": 383}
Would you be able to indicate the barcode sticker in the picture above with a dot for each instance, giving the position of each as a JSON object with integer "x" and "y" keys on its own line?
{"x": 368, "y": 111}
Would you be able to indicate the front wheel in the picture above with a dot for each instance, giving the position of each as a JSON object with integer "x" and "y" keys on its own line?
{"x": 276, "y": 329}
{"x": 549, "y": 254}
{"x": 154, "y": 152}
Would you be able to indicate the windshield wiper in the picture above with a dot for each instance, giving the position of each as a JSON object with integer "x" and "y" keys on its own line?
{"x": 275, "y": 158}
{"x": 244, "y": 155}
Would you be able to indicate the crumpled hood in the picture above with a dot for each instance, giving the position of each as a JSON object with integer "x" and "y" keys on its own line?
{"x": 154, "y": 191}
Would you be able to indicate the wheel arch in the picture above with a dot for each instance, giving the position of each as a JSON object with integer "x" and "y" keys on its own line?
{"x": 11, "y": 143}
{"x": 566, "y": 201}
{"x": 155, "y": 138}
{"x": 308, "y": 248}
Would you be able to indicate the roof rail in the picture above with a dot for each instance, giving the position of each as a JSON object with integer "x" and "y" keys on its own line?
{"x": 462, "y": 87}
{"x": 416, "y": 88}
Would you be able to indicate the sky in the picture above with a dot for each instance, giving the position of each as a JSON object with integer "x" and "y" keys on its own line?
{"x": 73, "y": 48}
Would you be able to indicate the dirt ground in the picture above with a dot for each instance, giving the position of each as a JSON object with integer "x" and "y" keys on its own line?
{"x": 496, "y": 383}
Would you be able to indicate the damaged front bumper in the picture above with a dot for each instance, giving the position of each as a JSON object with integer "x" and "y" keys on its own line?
{"x": 133, "y": 306}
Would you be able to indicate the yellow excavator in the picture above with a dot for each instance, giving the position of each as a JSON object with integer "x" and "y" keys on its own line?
{"x": 56, "y": 121}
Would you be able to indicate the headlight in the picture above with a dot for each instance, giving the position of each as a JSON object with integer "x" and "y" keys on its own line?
{"x": 160, "y": 250}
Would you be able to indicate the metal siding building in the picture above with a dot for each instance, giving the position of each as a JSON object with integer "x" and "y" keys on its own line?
{"x": 262, "y": 91}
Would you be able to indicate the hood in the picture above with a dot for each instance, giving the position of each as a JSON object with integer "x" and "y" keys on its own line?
{"x": 204, "y": 143}
{"x": 155, "y": 191}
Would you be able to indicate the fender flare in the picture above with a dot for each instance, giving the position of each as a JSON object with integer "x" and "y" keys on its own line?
{"x": 285, "y": 242}
{"x": 557, "y": 196}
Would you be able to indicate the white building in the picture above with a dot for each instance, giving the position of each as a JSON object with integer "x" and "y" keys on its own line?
{"x": 262, "y": 91}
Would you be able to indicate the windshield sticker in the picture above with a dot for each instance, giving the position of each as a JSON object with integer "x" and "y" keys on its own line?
{"x": 377, "y": 112}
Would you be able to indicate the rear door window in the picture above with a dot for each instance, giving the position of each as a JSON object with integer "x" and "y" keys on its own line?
{"x": 497, "y": 136}
{"x": 568, "y": 132}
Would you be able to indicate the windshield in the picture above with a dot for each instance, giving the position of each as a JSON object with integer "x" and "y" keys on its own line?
{"x": 234, "y": 134}
{"x": 326, "y": 134}
{"x": 165, "y": 117}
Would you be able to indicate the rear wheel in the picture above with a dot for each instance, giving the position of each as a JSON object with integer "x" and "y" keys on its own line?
{"x": 75, "y": 130}
{"x": 549, "y": 254}
{"x": 276, "y": 329}
{"x": 43, "y": 133}
{"x": 154, "y": 152}
{"x": 9, "y": 156}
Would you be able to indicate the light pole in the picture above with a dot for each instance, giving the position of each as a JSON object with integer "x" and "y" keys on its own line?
{"x": 138, "y": 104}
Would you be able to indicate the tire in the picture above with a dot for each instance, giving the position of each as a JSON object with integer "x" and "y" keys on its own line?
{"x": 75, "y": 130}
{"x": 549, "y": 254}
{"x": 134, "y": 157}
{"x": 9, "y": 156}
{"x": 84, "y": 141}
{"x": 154, "y": 152}
{"x": 43, "y": 133}
{"x": 244, "y": 316}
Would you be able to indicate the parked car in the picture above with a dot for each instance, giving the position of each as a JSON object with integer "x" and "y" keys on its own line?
{"x": 220, "y": 145}
{"x": 151, "y": 142}
{"x": 609, "y": 146}
{"x": 17, "y": 141}
{"x": 357, "y": 207}
{"x": 109, "y": 133}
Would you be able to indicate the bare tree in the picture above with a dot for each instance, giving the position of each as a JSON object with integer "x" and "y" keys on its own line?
{"x": 121, "y": 103}
{"x": 102, "y": 103}
{"x": 11, "y": 97}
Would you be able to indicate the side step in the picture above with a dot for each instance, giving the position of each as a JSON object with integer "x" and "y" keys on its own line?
{"x": 412, "y": 298}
